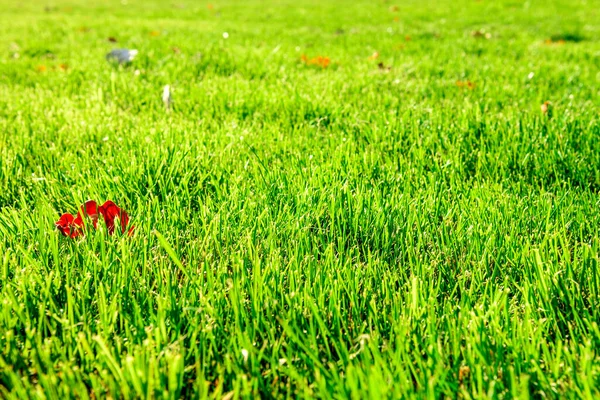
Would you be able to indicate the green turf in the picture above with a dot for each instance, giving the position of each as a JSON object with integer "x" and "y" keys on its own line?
{"x": 418, "y": 228}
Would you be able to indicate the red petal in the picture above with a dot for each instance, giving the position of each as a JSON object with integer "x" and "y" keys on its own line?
{"x": 75, "y": 232}
{"x": 64, "y": 224}
{"x": 69, "y": 226}
{"x": 78, "y": 221}
{"x": 90, "y": 208}
{"x": 110, "y": 211}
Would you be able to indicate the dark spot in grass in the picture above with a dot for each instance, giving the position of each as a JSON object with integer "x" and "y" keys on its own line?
{"x": 481, "y": 34}
{"x": 423, "y": 36}
{"x": 477, "y": 51}
{"x": 567, "y": 37}
{"x": 39, "y": 52}
{"x": 384, "y": 67}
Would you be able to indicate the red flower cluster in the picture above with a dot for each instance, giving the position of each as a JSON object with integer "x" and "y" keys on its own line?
{"x": 73, "y": 226}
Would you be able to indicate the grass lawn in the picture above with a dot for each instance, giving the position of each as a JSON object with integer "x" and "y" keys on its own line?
{"x": 348, "y": 199}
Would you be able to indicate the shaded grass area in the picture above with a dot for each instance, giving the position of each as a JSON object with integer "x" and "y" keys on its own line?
{"x": 349, "y": 231}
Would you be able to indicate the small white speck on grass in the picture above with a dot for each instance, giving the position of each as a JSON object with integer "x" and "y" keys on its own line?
{"x": 282, "y": 361}
{"x": 364, "y": 338}
{"x": 390, "y": 30}
{"x": 310, "y": 157}
{"x": 225, "y": 35}
{"x": 297, "y": 48}
{"x": 531, "y": 75}
{"x": 166, "y": 97}
{"x": 245, "y": 355}
{"x": 37, "y": 178}
{"x": 105, "y": 139}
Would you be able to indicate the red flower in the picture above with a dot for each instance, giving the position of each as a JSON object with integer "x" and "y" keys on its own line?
{"x": 73, "y": 226}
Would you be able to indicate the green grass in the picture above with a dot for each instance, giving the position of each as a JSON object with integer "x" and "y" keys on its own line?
{"x": 349, "y": 232}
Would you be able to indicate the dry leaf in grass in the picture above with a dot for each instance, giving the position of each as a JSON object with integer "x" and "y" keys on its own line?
{"x": 546, "y": 108}
{"x": 463, "y": 373}
{"x": 320, "y": 61}
{"x": 481, "y": 34}
{"x": 374, "y": 56}
{"x": 465, "y": 84}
